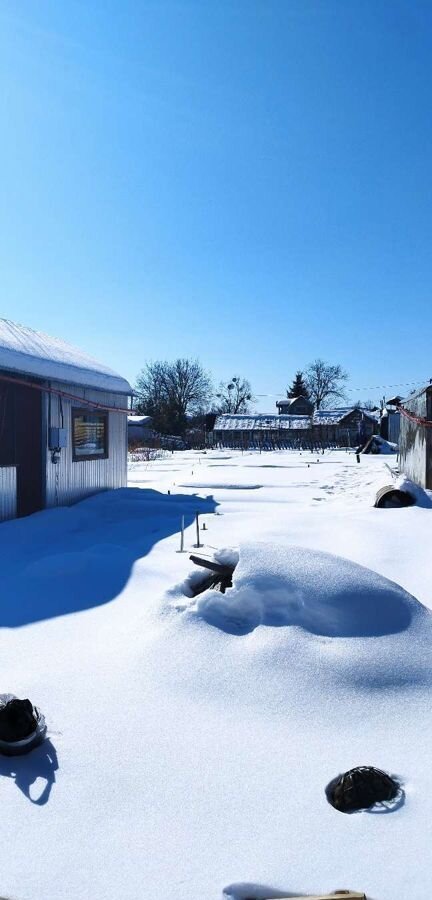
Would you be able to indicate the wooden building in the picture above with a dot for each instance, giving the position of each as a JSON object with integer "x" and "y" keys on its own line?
{"x": 295, "y": 406}
{"x": 140, "y": 430}
{"x": 63, "y": 423}
{"x": 346, "y": 427}
{"x": 415, "y": 441}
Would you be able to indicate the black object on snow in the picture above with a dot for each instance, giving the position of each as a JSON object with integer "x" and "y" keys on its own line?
{"x": 361, "y": 788}
{"x": 22, "y": 726}
{"x": 220, "y": 578}
{"x": 389, "y": 497}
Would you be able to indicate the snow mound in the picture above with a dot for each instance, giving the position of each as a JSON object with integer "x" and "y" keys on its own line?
{"x": 321, "y": 593}
{"x": 380, "y": 445}
{"x": 422, "y": 497}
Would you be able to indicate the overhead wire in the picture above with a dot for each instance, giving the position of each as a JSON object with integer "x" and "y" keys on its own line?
{"x": 370, "y": 387}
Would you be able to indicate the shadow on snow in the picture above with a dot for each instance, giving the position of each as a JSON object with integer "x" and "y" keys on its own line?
{"x": 41, "y": 764}
{"x": 73, "y": 558}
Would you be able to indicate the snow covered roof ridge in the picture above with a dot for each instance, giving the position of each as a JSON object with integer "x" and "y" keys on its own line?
{"x": 24, "y": 350}
{"x": 256, "y": 421}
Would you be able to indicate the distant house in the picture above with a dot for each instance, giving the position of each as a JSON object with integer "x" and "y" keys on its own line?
{"x": 62, "y": 423}
{"x": 140, "y": 428}
{"x": 415, "y": 442}
{"x": 347, "y": 426}
{"x": 295, "y": 406}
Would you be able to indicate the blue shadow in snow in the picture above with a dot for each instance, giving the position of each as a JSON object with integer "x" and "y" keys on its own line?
{"x": 73, "y": 558}
{"x": 25, "y": 770}
{"x": 363, "y": 611}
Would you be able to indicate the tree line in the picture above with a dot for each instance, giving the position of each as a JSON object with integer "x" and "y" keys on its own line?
{"x": 178, "y": 395}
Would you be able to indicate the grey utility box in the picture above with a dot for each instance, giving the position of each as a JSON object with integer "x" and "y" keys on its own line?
{"x": 57, "y": 438}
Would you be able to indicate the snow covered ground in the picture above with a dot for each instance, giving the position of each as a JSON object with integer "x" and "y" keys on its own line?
{"x": 187, "y": 755}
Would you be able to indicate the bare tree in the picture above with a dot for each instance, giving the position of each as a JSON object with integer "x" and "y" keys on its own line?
{"x": 325, "y": 382}
{"x": 234, "y": 396}
{"x": 171, "y": 391}
{"x": 366, "y": 404}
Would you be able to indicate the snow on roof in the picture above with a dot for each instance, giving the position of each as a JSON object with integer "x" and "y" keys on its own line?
{"x": 288, "y": 401}
{"x": 334, "y": 416}
{"x": 228, "y": 422}
{"x": 139, "y": 420}
{"x": 30, "y": 352}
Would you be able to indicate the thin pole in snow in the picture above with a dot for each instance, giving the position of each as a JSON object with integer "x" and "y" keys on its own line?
{"x": 197, "y": 530}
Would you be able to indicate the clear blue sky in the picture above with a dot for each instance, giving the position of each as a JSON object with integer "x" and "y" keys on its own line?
{"x": 246, "y": 181}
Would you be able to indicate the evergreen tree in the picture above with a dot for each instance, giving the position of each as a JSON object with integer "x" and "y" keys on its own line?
{"x": 299, "y": 387}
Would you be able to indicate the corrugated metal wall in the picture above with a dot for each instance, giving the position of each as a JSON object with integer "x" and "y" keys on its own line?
{"x": 69, "y": 481}
{"x": 394, "y": 426}
{"x": 8, "y": 492}
{"x": 413, "y": 441}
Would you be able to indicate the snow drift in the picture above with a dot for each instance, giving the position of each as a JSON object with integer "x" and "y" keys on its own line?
{"x": 324, "y": 594}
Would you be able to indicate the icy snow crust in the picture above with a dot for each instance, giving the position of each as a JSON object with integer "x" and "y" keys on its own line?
{"x": 191, "y": 757}
{"x": 33, "y": 353}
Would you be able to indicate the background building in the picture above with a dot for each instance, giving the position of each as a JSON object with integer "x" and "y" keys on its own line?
{"x": 345, "y": 427}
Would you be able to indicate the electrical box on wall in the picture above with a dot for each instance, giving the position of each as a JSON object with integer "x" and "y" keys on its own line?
{"x": 57, "y": 438}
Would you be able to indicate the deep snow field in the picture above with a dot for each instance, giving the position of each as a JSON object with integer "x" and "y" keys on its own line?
{"x": 191, "y": 740}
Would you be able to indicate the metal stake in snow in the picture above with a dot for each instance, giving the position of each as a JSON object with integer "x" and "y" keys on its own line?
{"x": 182, "y": 535}
{"x": 197, "y": 530}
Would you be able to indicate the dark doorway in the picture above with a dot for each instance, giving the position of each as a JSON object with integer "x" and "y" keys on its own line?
{"x": 21, "y": 442}
{"x": 7, "y": 424}
{"x": 28, "y": 449}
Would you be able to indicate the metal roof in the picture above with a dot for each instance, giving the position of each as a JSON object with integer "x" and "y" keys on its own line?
{"x": 139, "y": 420}
{"x": 228, "y": 422}
{"x": 288, "y": 401}
{"x": 29, "y": 352}
{"x": 334, "y": 416}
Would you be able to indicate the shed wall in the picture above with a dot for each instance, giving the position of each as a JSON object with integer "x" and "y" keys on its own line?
{"x": 413, "y": 441}
{"x": 68, "y": 481}
{"x": 140, "y": 433}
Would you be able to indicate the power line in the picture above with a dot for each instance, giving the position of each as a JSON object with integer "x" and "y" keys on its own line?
{"x": 370, "y": 387}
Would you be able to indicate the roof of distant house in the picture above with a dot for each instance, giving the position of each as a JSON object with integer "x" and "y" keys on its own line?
{"x": 29, "y": 352}
{"x": 229, "y": 422}
{"x": 139, "y": 420}
{"x": 288, "y": 401}
{"x": 334, "y": 416}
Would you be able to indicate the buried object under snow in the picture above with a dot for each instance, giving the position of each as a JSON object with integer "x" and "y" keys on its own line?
{"x": 220, "y": 578}
{"x": 361, "y": 788}
{"x": 321, "y": 593}
{"x": 22, "y": 725}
